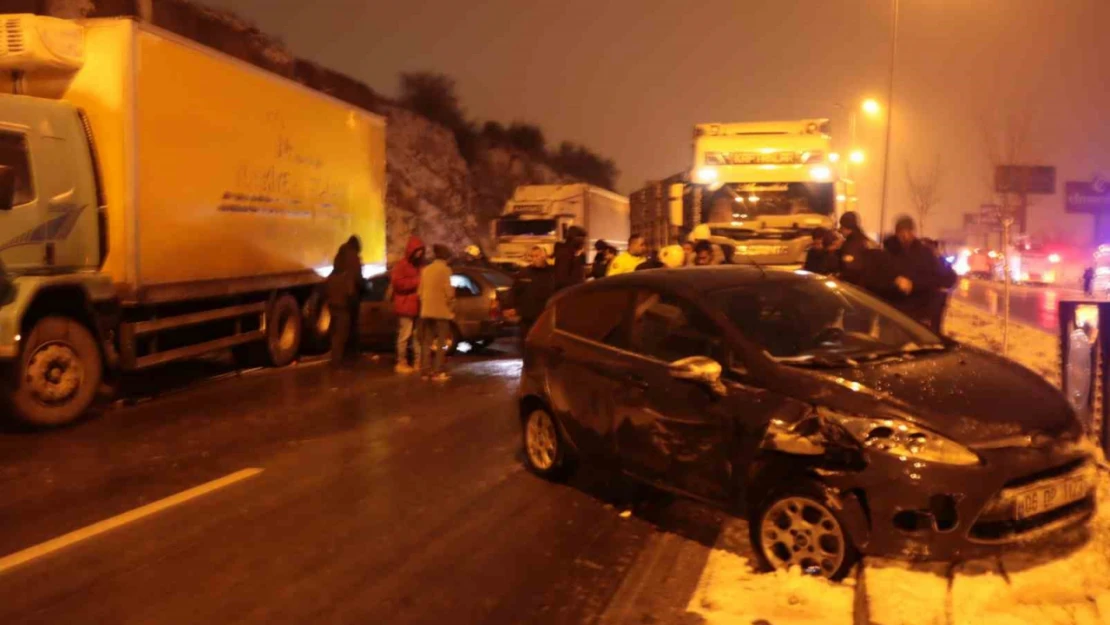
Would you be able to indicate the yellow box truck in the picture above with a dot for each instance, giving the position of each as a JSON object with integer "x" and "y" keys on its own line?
{"x": 160, "y": 200}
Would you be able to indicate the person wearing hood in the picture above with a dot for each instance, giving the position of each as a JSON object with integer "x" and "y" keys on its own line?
{"x": 344, "y": 289}
{"x": 570, "y": 259}
{"x": 628, "y": 260}
{"x": 852, "y": 252}
{"x": 405, "y": 285}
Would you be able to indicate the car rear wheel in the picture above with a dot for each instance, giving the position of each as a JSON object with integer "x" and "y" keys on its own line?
{"x": 797, "y": 530}
{"x": 544, "y": 449}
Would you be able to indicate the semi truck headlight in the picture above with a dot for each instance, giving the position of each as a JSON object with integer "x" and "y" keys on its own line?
{"x": 820, "y": 173}
{"x": 707, "y": 174}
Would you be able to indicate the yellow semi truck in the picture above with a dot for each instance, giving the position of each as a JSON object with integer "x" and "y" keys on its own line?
{"x": 160, "y": 200}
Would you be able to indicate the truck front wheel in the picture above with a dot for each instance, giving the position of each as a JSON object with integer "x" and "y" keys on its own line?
{"x": 59, "y": 373}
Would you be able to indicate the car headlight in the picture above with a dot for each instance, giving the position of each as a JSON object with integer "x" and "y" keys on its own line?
{"x": 900, "y": 438}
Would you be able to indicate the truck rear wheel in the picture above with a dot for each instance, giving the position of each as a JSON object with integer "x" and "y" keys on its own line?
{"x": 317, "y": 323}
{"x": 59, "y": 373}
{"x": 284, "y": 330}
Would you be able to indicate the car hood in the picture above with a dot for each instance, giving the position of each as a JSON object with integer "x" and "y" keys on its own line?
{"x": 967, "y": 394}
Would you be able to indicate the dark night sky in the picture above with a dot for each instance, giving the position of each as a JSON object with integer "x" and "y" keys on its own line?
{"x": 630, "y": 78}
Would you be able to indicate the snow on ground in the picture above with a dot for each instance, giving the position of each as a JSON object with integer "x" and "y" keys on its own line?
{"x": 1065, "y": 582}
{"x": 1032, "y": 347}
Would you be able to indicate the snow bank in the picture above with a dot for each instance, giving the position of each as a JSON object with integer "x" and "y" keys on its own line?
{"x": 1036, "y": 349}
{"x": 730, "y": 591}
{"x": 1065, "y": 581}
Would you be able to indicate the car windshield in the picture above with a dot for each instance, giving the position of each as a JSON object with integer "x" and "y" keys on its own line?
{"x": 526, "y": 227}
{"x": 741, "y": 202}
{"x": 498, "y": 280}
{"x": 813, "y": 322}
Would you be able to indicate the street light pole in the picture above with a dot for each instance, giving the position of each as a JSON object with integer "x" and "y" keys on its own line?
{"x": 889, "y": 115}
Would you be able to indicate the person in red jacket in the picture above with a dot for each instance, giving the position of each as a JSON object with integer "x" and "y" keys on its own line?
{"x": 405, "y": 284}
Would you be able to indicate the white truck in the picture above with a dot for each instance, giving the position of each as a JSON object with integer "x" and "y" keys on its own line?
{"x": 160, "y": 200}
{"x": 760, "y": 187}
{"x": 542, "y": 214}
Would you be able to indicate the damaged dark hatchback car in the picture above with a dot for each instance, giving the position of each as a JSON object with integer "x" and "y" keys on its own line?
{"x": 835, "y": 424}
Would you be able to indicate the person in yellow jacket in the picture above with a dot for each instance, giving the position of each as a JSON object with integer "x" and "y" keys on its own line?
{"x": 628, "y": 260}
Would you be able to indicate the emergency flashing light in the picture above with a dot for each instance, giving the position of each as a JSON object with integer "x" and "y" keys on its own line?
{"x": 834, "y": 157}
{"x": 1053, "y": 258}
{"x": 821, "y": 173}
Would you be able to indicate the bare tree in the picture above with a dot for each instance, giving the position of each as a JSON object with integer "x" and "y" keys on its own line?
{"x": 924, "y": 190}
{"x": 1006, "y": 142}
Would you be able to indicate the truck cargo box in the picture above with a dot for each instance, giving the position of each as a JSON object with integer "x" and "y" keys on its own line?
{"x": 219, "y": 177}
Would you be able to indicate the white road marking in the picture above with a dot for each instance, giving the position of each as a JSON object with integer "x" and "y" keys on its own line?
{"x": 20, "y": 557}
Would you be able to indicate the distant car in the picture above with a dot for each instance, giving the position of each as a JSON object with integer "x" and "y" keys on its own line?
{"x": 837, "y": 425}
{"x": 478, "y": 319}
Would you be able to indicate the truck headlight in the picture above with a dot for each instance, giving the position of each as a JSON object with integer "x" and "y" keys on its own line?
{"x": 900, "y": 438}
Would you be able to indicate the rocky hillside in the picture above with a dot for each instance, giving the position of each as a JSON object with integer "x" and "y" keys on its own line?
{"x": 432, "y": 190}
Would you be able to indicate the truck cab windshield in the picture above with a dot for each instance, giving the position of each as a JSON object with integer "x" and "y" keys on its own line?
{"x": 526, "y": 228}
{"x": 742, "y": 201}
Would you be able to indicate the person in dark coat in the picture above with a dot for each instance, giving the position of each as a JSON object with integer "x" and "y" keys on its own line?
{"x": 920, "y": 288}
{"x": 603, "y": 256}
{"x": 405, "y": 285}
{"x": 822, "y": 258}
{"x": 652, "y": 262}
{"x": 852, "y": 251}
{"x": 344, "y": 287}
{"x": 570, "y": 259}
{"x": 533, "y": 286}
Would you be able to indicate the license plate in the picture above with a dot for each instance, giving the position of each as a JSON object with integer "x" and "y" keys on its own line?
{"x": 1050, "y": 495}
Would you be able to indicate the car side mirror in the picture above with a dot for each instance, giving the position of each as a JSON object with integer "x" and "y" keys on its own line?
{"x": 700, "y": 370}
{"x": 7, "y": 188}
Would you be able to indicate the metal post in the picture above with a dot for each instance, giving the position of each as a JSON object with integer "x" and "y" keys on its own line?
{"x": 889, "y": 117}
{"x": 1006, "y": 221}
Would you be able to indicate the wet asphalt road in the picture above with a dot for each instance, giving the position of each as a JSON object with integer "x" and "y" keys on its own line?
{"x": 1034, "y": 305}
{"x": 382, "y": 499}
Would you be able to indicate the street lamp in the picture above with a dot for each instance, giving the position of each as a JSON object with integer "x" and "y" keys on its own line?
{"x": 871, "y": 107}
{"x": 856, "y": 156}
{"x": 889, "y": 113}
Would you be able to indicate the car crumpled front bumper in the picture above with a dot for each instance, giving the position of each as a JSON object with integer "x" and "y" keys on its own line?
{"x": 902, "y": 507}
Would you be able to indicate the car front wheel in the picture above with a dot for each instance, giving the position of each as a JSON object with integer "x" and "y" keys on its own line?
{"x": 797, "y": 530}
{"x": 544, "y": 449}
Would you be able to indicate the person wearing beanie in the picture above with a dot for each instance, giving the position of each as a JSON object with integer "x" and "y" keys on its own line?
{"x": 852, "y": 252}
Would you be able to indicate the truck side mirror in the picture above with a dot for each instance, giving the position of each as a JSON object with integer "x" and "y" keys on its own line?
{"x": 7, "y": 187}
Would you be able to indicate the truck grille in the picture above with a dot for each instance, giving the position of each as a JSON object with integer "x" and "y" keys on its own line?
{"x": 12, "y": 37}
